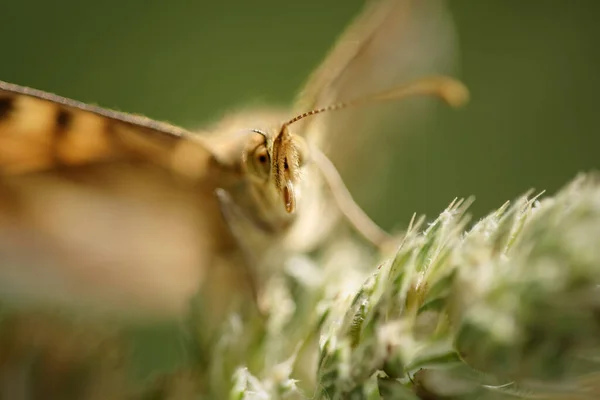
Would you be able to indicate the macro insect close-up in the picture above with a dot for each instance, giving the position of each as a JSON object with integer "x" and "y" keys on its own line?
{"x": 279, "y": 251}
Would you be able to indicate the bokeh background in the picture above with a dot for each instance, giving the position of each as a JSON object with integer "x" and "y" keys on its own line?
{"x": 532, "y": 67}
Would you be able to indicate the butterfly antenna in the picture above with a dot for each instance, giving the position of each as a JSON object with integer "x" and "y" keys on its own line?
{"x": 263, "y": 133}
{"x": 449, "y": 90}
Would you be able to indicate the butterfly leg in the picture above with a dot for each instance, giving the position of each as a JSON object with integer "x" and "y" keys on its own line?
{"x": 233, "y": 216}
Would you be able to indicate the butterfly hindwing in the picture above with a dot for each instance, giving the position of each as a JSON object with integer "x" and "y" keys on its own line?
{"x": 97, "y": 206}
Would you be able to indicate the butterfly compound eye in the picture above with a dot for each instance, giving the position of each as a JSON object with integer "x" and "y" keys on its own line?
{"x": 262, "y": 158}
{"x": 261, "y": 161}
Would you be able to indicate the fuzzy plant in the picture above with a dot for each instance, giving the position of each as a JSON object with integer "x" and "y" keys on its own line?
{"x": 507, "y": 307}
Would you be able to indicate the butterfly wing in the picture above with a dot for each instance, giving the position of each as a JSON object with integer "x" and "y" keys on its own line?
{"x": 105, "y": 209}
{"x": 390, "y": 43}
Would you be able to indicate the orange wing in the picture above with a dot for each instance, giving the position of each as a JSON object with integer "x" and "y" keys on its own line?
{"x": 39, "y": 131}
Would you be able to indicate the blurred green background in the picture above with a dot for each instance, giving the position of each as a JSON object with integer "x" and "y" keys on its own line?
{"x": 532, "y": 67}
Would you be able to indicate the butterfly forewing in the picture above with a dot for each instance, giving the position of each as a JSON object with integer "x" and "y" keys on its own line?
{"x": 40, "y": 131}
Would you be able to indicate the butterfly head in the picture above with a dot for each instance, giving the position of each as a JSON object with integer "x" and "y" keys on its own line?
{"x": 276, "y": 160}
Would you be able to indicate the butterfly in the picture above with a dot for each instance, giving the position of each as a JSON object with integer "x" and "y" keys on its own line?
{"x": 115, "y": 211}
